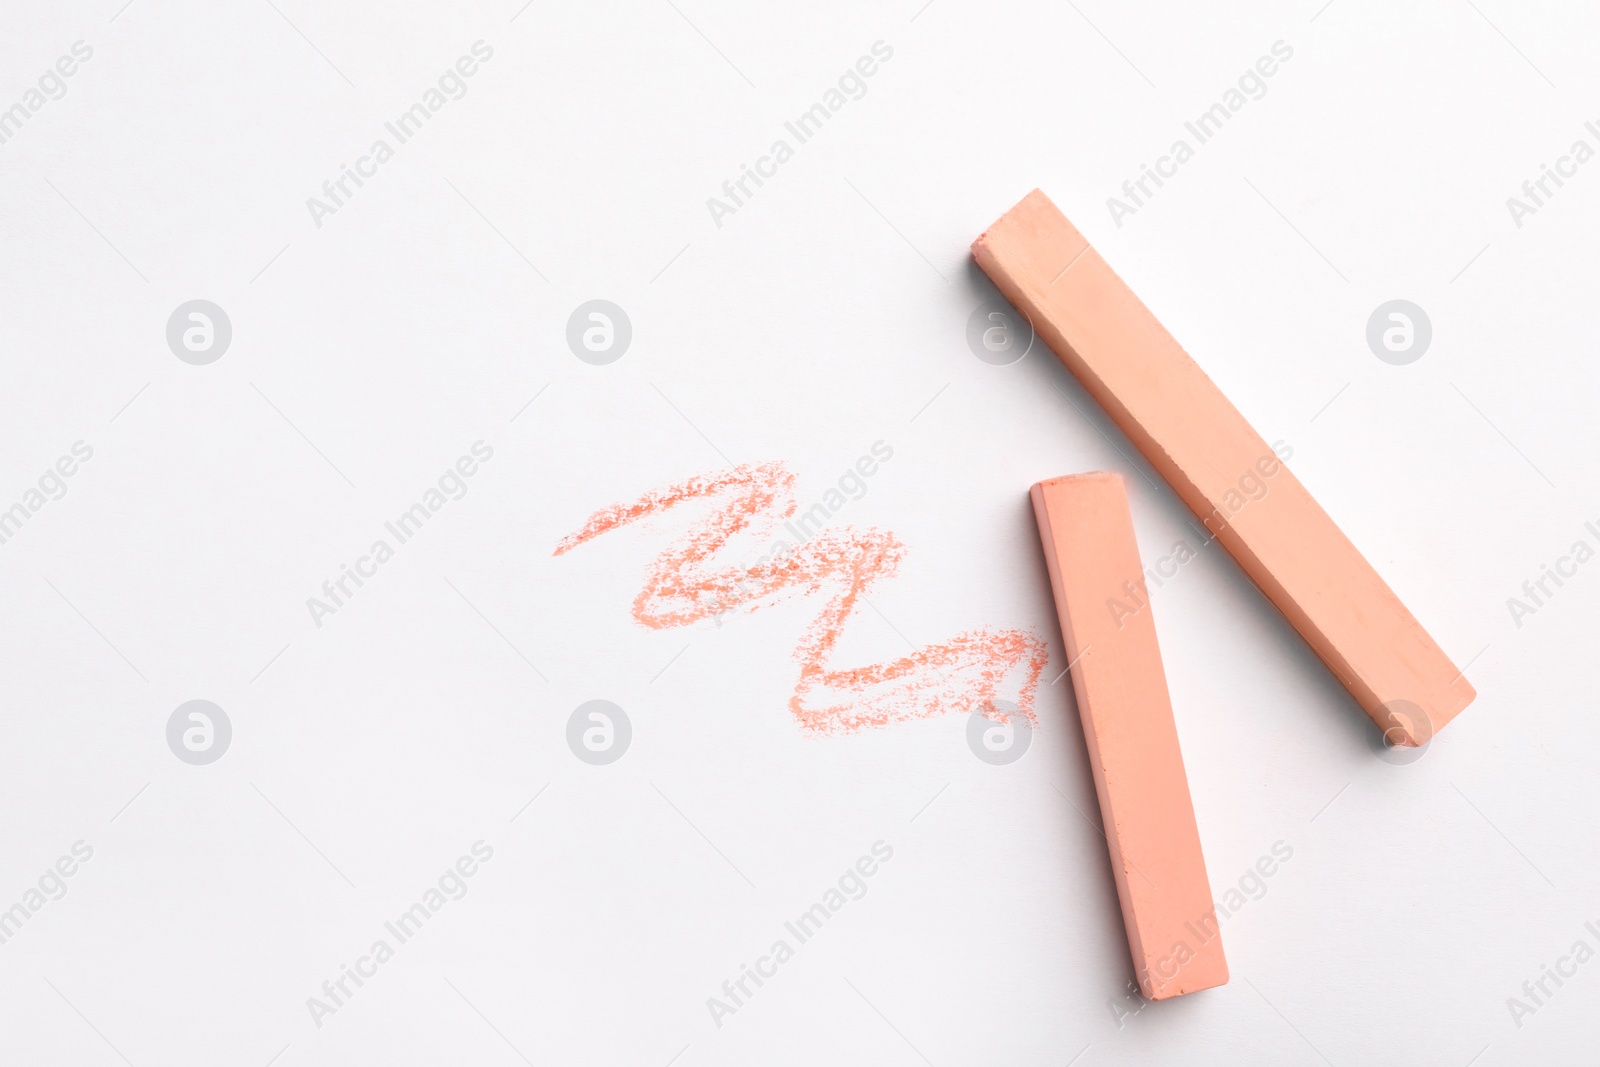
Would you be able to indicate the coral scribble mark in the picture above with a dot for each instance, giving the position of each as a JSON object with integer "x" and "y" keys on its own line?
{"x": 684, "y": 586}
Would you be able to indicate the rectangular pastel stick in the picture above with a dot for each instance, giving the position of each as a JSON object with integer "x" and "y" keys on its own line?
{"x": 1110, "y": 640}
{"x": 1223, "y": 470}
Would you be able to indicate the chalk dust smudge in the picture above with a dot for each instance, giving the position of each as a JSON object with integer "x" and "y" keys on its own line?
{"x": 684, "y": 586}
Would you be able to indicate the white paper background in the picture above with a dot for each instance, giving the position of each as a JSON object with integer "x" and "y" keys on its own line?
{"x": 826, "y": 314}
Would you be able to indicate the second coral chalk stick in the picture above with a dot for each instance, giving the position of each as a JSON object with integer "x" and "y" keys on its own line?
{"x": 1132, "y": 739}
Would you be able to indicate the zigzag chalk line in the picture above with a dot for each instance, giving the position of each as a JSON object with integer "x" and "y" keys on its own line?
{"x": 684, "y": 585}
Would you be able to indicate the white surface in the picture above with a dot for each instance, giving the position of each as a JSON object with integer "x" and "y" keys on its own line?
{"x": 805, "y": 328}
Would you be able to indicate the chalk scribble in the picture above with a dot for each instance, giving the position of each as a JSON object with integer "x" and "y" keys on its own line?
{"x": 684, "y": 585}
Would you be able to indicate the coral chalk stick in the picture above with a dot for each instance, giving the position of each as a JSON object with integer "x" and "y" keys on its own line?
{"x": 1110, "y": 639}
{"x": 1223, "y": 470}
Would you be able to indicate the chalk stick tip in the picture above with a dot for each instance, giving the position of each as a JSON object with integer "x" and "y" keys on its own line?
{"x": 1412, "y": 723}
{"x": 1083, "y": 476}
{"x": 1033, "y": 202}
{"x": 1200, "y": 975}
